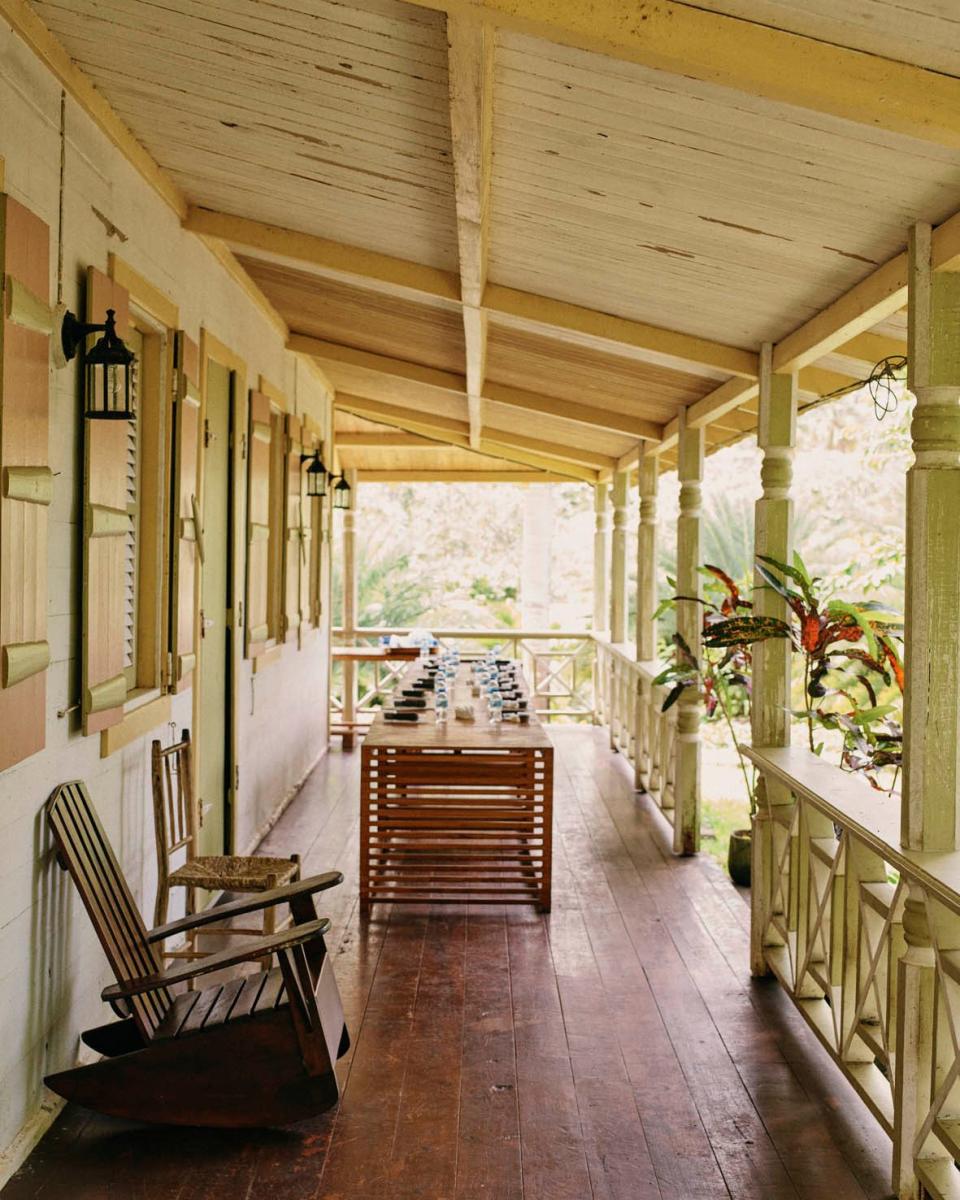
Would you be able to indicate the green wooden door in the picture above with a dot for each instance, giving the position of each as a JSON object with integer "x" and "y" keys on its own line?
{"x": 215, "y": 713}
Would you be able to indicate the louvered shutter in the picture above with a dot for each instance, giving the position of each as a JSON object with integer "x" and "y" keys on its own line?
{"x": 308, "y": 562}
{"x": 187, "y": 533}
{"x": 27, "y": 482}
{"x": 132, "y": 541}
{"x": 106, "y": 530}
{"x": 294, "y": 544}
{"x": 259, "y": 446}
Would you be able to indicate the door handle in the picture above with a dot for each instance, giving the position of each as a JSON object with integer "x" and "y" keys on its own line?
{"x": 197, "y": 527}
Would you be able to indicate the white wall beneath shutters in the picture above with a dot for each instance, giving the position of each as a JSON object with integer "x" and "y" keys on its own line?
{"x": 51, "y": 967}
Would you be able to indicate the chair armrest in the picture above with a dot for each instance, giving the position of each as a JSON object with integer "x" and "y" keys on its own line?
{"x": 258, "y": 948}
{"x": 254, "y": 902}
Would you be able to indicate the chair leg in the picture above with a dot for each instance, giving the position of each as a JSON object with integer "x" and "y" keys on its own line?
{"x": 288, "y": 920}
{"x": 269, "y": 920}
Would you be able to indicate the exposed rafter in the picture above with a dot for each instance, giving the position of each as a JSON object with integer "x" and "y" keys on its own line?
{"x": 410, "y": 379}
{"x": 457, "y": 433}
{"x": 678, "y": 350}
{"x": 415, "y": 476}
{"x": 877, "y": 297}
{"x": 453, "y": 432}
{"x": 471, "y": 127}
{"x": 540, "y": 313}
{"x": 759, "y": 60}
{"x": 331, "y": 258}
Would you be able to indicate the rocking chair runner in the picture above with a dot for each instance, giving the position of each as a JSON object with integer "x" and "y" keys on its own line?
{"x": 257, "y": 1050}
{"x": 176, "y": 820}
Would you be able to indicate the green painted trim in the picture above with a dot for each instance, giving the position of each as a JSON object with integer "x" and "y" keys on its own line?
{"x": 27, "y": 310}
{"x": 33, "y": 485}
{"x": 111, "y": 693}
{"x": 106, "y": 522}
{"x": 23, "y": 659}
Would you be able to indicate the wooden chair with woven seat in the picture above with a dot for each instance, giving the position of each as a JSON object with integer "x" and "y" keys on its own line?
{"x": 177, "y": 819}
{"x": 257, "y": 1049}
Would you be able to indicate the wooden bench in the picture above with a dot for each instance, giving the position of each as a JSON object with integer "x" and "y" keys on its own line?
{"x": 256, "y": 1049}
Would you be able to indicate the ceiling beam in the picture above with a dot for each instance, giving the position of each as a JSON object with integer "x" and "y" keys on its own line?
{"x": 759, "y": 60}
{"x": 460, "y": 477}
{"x": 869, "y": 348}
{"x": 457, "y": 433}
{"x": 383, "y": 439}
{"x": 379, "y": 365}
{"x": 550, "y": 318}
{"x": 496, "y": 438}
{"x": 571, "y": 410}
{"x": 334, "y": 258}
{"x": 470, "y": 70}
{"x": 875, "y": 298}
{"x": 547, "y": 316}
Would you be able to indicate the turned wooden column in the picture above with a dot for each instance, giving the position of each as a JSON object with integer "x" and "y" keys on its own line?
{"x": 931, "y": 772}
{"x": 647, "y": 558}
{"x": 349, "y": 610}
{"x": 644, "y": 710}
{"x": 601, "y": 541}
{"x": 770, "y": 699}
{"x": 618, "y": 558}
{"x": 686, "y": 816}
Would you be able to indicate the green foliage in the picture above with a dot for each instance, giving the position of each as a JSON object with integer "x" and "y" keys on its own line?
{"x": 851, "y": 655}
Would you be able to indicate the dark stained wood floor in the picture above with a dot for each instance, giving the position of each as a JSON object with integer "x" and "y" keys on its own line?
{"x": 615, "y": 1049}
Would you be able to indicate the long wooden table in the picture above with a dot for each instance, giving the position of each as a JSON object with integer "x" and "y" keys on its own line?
{"x": 456, "y": 813}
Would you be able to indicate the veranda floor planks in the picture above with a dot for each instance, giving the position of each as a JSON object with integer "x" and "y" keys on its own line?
{"x": 614, "y": 1049}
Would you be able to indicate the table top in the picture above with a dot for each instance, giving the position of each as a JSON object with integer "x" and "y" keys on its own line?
{"x": 479, "y": 734}
{"x": 374, "y": 653}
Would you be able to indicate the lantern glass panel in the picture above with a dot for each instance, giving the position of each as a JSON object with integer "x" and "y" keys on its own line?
{"x": 107, "y": 395}
{"x": 341, "y": 495}
{"x": 316, "y": 477}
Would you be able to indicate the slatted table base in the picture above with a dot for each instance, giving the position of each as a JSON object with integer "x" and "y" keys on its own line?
{"x": 456, "y": 826}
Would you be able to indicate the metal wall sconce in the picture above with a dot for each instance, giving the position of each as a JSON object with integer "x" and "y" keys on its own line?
{"x": 342, "y": 495}
{"x": 316, "y": 473}
{"x": 108, "y": 367}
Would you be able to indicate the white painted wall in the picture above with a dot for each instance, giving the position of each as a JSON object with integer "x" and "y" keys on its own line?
{"x": 51, "y": 966}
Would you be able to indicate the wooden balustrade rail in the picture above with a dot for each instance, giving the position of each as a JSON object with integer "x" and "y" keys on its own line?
{"x": 865, "y": 938}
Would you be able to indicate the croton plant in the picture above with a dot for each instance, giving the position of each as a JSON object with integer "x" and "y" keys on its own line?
{"x": 851, "y": 654}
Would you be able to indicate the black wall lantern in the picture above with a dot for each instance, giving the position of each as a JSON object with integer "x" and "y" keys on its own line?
{"x": 316, "y": 474}
{"x": 108, "y": 367}
{"x": 341, "y": 494}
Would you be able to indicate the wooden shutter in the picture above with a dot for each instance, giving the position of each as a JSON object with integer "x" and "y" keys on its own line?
{"x": 308, "y": 561}
{"x": 259, "y": 449}
{"x": 294, "y": 544}
{"x": 106, "y": 529}
{"x": 27, "y": 482}
{"x": 187, "y": 534}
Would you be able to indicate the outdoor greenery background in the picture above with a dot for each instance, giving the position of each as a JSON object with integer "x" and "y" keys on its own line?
{"x": 451, "y": 555}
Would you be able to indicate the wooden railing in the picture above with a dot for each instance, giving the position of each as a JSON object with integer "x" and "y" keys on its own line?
{"x": 865, "y": 938}
{"x": 629, "y": 703}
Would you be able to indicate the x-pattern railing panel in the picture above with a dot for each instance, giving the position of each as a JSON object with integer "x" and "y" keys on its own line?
{"x": 866, "y": 940}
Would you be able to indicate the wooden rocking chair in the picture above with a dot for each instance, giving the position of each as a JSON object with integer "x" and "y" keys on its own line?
{"x": 176, "y": 818}
{"x": 256, "y": 1050}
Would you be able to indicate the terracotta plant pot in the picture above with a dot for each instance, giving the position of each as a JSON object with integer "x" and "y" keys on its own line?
{"x": 738, "y": 857}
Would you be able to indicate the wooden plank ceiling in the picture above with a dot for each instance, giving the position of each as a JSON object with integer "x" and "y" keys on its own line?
{"x": 526, "y": 265}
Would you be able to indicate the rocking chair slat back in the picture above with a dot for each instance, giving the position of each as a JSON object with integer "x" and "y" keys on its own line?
{"x": 173, "y": 781}
{"x": 86, "y": 853}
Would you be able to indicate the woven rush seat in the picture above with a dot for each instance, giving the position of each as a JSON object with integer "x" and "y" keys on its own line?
{"x": 234, "y": 873}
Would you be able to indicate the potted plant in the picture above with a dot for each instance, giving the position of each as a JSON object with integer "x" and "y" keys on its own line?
{"x": 852, "y": 671}
{"x": 722, "y": 675}
{"x": 852, "y": 674}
